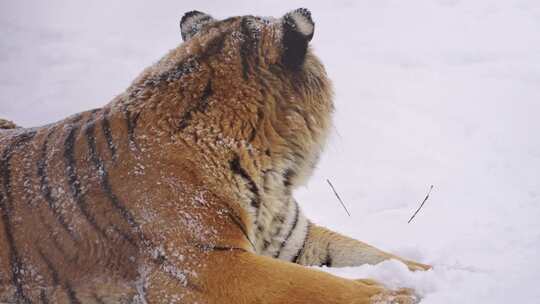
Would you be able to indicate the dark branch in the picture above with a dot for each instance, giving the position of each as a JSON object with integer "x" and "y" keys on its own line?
{"x": 337, "y": 195}
{"x": 421, "y": 205}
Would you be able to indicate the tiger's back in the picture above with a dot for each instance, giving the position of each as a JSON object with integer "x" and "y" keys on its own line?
{"x": 77, "y": 210}
{"x": 57, "y": 232}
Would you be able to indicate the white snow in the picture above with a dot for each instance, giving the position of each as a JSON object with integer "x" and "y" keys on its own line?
{"x": 441, "y": 92}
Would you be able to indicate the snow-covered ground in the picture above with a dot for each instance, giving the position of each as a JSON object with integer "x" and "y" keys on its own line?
{"x": 442, "y": 92}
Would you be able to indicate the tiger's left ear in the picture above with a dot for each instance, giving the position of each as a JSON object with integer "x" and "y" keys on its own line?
{"x": 192, "y": 22}
{"x": 298, "y": 29}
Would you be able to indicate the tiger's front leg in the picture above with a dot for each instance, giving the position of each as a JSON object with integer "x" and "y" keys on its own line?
{"x": 241, "y": 277}
{"x": 224, "y": 269}
{"x": 325, "y": 247}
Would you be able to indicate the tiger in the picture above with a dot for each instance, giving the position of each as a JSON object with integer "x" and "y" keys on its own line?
{"x": 180, "y": 190}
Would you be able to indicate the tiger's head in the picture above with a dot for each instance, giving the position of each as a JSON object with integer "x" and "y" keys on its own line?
{"x": 283, "y": 41}
{"x": 245, "y": 81}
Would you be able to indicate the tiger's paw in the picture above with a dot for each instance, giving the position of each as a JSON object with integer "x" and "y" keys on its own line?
{"x": 400, "y": 296}
{"x": 415, "y": 266}
{"x": 379, "y": 294}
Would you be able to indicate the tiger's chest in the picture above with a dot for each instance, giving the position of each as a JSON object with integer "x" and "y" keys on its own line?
{"x": 280, "y": 228}
{"x": 276, "y": 224}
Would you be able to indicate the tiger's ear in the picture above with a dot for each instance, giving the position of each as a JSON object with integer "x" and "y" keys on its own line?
{"x": 298, "y": 28}
{"x": 192, "y": 22}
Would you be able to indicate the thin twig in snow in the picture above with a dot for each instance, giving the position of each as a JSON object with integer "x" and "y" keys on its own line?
{"x": 421, "y": 205}
{"x": 337, "y": 195}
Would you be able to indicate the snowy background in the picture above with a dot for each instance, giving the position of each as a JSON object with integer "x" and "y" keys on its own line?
{"x": 441, "y": 92}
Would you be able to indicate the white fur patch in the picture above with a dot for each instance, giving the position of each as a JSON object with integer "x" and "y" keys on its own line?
{"x": 290, "y": 218}
{"x": 303, "y": 24}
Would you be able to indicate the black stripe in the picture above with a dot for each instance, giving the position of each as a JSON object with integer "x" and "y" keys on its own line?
{"x": 73, "y": 181}
{"x": 106, "y": 126}
{"x": 43, "y": 297}
{"x": 252, "y": 135}
{"x": 260, "y": 118}
{"x": 245, "y": 48}
{"x": 185, "y": 67}
{"x": 125, "y": 235}
{"x": 54, "y": 273}
{"x": 200, "y": 107}
{"x": 131, "y": 123}
{"x": 218, "y": 248}
{"x": 98, "y": 299}
{"x": 74, "y": 119}
{"x": 188, "y": 65}
{"x": 69, "y": 151}
{"x": 301, "y": 249}
{"x": 240, "y": 225}
{"x": 105, "y": 184}
{"x": 6, "y": 200}
{"x": 287, "y": 176}
{"x": 46, "y": 189}
{"x": 248, "y": 46}
{"x": 328, "y": 260}
{"x": 279, "y": 217}
{"x": 293, "y": 227}
{"x": 252, "y": 187}
{"x": 294, "y": 43}
{"x": 72, "y": 296}
{"x": 214, "y": 46}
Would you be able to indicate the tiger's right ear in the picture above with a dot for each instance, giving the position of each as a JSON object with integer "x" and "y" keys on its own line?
{"x": 192, "y": 22}
{"x": 298, "y": 28}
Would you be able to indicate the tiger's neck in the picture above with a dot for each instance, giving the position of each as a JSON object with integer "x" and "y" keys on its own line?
{"x": 261, "y": 179}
